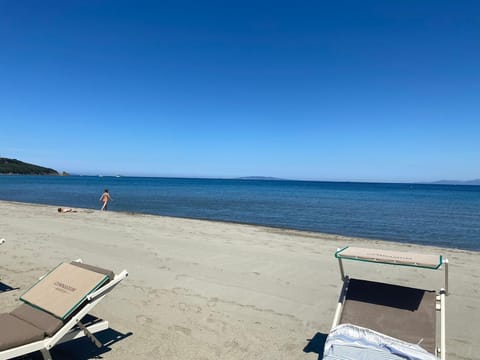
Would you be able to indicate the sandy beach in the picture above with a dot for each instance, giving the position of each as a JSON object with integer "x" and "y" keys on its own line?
{"x": 212, "y": 290}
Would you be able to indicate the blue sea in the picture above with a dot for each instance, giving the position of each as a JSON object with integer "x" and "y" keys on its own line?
{"x": 439, "y": 215}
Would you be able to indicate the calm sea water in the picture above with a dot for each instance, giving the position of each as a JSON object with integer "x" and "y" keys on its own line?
{"x": 440, "y": 215}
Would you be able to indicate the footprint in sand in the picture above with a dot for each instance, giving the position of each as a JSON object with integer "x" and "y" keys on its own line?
{"x": 183, "y": 330}
{"x": 212, "y": 302}
{"x": 142, "y": 319}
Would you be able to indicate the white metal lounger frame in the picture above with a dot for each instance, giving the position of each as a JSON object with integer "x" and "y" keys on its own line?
{"x": 396, "y": 258}
{"x": 72, "y": 329}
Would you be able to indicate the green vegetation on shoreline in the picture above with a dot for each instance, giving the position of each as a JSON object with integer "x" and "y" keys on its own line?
{"x": 14, "y": 166}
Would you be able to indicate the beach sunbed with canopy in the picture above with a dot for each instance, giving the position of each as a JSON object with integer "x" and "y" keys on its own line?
{"x": 56, "y": 309}
{"x": 374, "y": 317}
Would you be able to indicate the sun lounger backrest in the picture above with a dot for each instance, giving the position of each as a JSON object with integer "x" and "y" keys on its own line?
{"x": 64, "y": 289}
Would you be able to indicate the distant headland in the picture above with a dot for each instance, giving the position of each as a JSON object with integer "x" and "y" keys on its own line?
{"x": 17, "y": 167}
{"x": 258, "y": 178}
{"x": 458, "y": 182}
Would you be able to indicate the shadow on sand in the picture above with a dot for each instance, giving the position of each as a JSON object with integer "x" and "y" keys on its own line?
{"x": 82, "y": 349}
{"x": 316, "y": 345}
{"x": 5, "y": 287}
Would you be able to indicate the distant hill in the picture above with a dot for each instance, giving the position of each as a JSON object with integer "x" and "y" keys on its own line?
{"x": 458, "y": 182}
{"x": 14, "y": 166}
{"x": 258, "y": 178}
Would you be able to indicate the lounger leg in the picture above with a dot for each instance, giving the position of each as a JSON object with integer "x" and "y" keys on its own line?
{"x": 340, "y": 265}
{"x": 46, "y": 354}
{"x": 341, "y": 301}
{"x": 89, "y": 335}
{"x": 446, "y": 276}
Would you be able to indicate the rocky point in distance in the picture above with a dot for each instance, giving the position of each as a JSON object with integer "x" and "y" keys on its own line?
{"x": 14, "y": 166}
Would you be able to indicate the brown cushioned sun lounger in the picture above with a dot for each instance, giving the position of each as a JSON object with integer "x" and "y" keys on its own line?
{"x": 53, "y": 310}
{"x": 400, "y": 312}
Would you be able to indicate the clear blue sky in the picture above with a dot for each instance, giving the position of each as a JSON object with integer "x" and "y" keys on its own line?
{"x": 328, "y": 90}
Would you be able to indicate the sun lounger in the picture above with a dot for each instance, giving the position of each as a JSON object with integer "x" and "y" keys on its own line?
{"x": 388, "y": 313}
{"x": 54, "y": 310}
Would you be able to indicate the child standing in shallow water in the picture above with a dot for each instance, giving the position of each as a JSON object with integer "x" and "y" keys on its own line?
{"x": 105, "y": 198}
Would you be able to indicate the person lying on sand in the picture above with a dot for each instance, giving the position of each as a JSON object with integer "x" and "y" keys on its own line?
{"x": 64, "y": 210}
